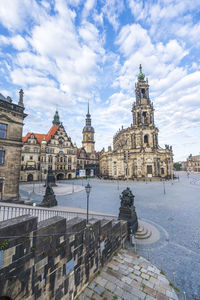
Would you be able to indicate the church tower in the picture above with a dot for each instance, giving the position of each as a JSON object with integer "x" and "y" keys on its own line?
{"x": 143, "y": 115}
{"x": 88, "y": 134}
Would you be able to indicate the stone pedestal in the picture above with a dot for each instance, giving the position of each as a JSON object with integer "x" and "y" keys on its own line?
{"x": 129, "y": 215}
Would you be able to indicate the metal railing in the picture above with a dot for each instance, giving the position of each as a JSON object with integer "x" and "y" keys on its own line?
{"x": 9, "y": 212}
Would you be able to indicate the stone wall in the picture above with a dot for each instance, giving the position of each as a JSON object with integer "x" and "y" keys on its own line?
{"x": 54, "y": 259}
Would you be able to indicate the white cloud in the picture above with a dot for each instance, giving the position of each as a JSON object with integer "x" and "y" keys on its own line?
{"x": 112, "y": 10}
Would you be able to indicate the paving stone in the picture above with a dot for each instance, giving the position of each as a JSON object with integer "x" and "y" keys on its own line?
{"x": 143, "y": 270}
{"x": 149, "y": 291}
{"x": 150, "y": 298}
{"x": 148, "y": 283}
{"x": 88, "y": 292}
{"x": 137, "y": 273}
{"x": 161, "y": 296}
{"x": 110, "y": 286}
{"x": 101, "y": 281}
{"x": 99, "y": 289}
{"x": 145, "y": 276}
{"x": 119, "y": 292}
{"x": 126, "y": 279}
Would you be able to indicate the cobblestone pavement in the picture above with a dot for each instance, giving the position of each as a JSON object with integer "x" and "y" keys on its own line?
{"x": 129, "y": 276}
{"x": 60, "y": 189}
{"x": 175, "y": 214}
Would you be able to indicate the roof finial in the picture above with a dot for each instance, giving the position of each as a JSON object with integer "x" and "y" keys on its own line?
{"x": 88, "y": 108}
{"x": 56, "y": 119}
{"x": 21, "y": 94}
{"x": 141, "y": 76}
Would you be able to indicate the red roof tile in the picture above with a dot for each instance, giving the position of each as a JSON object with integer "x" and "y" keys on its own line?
{"x": 41, "y": 136}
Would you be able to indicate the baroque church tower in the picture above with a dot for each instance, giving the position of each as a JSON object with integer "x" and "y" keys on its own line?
{"x": 143, "y": 116}
{"x": 88, "y": 134}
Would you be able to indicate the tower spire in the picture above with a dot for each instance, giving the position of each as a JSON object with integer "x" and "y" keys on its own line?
{"x": 88, "y": 108}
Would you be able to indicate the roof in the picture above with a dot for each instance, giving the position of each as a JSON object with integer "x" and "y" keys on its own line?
{"x": 41, "y": 136}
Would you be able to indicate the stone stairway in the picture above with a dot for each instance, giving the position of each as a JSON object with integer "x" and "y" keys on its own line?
{"x": 142, "y": 232}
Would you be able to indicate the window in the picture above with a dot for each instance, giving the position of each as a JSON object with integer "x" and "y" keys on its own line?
{"x": 22, "y": 158}
{"x": 26, "y": 149}
{"x": 3, "y": 129}
{"x": 2, "y": 153}
{"x": 35, "y": 150}
{"x": 146, "y": 139}
{"x": 31, "y": 157}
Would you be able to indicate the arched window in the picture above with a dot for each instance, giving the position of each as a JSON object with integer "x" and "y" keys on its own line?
{"x": 146, "y": 139}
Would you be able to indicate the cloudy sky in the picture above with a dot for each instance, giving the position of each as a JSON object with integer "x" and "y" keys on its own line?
{"x": 66, "y": 52}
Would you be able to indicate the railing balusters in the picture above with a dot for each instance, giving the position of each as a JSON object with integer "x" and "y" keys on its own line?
{"x": 9, "y": 212}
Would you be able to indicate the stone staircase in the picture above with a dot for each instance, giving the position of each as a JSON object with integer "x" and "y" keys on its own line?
{"x": 142, "y": 232}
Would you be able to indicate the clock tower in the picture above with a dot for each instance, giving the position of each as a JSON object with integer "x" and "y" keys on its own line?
{"x": 88, "y": 134}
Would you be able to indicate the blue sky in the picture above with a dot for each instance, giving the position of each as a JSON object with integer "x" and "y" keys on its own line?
{"x": 66, "y": 52}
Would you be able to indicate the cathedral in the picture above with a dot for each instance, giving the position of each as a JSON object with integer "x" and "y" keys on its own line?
{"x": 136, "y": 153}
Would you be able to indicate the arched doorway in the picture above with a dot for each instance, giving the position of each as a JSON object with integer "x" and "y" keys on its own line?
{"x": 30, "y": 177}
{"x": 60, "y": 176}
{"x": 69, "y": 176}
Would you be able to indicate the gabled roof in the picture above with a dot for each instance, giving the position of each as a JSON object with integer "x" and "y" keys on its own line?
{"x": 41, "y": 136}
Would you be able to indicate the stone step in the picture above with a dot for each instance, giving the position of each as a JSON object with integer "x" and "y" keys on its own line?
{"x": 142, "y": 233}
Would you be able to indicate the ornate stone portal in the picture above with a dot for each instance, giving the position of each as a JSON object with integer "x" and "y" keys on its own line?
{"x": 127, "y": 211}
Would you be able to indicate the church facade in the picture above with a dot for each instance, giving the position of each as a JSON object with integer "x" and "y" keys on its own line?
{"x": 53, "y": 150}
{"x": 136, "y": 153}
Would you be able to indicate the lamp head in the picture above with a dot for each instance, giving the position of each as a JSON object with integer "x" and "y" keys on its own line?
{"x": 88, "y": 188}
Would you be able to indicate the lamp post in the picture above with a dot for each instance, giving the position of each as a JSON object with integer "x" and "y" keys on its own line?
{"x": 164, "y": 187}
{"x": 87, "y": 189}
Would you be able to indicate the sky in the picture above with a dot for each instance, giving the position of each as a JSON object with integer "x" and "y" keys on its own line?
{"x": 64, "y": 53}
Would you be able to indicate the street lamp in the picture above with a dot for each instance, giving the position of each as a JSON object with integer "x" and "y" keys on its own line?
{"x": 87, "y": 189}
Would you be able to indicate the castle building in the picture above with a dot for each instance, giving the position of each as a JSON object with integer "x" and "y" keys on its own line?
{"x": 87, "y": 157}
{"x": 193, "y": 163}
{"x": 136, "y": 153}
{"x": 53, "y": 150}
{"x": 11, "y": 125}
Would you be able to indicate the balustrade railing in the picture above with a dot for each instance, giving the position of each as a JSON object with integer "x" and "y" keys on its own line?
{"x": 9, "y": 212}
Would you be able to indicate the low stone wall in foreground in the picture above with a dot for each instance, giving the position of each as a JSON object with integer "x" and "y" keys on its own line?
{"x": 54, "y": 259}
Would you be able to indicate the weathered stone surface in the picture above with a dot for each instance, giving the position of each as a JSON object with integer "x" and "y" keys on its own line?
{"x": 55, "y": 258}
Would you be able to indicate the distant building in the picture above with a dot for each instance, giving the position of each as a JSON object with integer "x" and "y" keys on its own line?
{"x": 193, "y": 163}
{"x": 11, "y": 124}
{"x": 53, "y": 150}
{"x": 87, "y": 157}
{"x": 183, "y": 165}
{"x": 136, "y": 153}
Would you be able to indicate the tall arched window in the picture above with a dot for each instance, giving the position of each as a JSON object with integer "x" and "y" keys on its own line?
{"x": 146, "y": 139}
